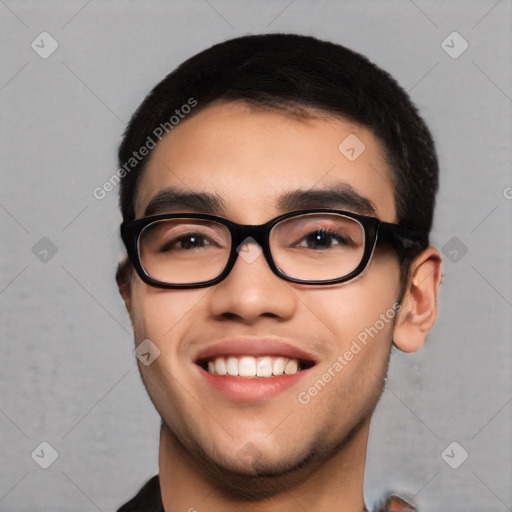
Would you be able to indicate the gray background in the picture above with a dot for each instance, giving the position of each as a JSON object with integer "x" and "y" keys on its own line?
{"x": 68, "y": 375}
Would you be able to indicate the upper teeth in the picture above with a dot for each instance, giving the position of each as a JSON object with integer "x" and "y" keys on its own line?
{"x": 249, "y": 366}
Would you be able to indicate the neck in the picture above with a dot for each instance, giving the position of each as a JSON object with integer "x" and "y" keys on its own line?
{"x": 191, "y": 485}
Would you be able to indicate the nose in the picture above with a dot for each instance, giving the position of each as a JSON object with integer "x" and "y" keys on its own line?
{"x": 251, "y": 290}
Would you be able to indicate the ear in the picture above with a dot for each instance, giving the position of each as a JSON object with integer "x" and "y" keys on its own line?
{"x": 419, "y": 304}
{"x": 123, "y": 278}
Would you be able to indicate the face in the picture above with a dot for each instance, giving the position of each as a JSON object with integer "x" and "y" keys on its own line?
{"x": 250, "y": 159}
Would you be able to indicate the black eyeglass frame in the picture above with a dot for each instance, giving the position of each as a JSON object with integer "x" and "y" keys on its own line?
{"x": 375, "y": 230}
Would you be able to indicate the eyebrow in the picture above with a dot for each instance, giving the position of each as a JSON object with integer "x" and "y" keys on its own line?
{"x": 172, "y": 199}
{"x": 337, "y": 196}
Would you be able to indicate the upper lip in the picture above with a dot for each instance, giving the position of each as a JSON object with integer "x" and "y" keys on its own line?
{"x": 256, "y": 347}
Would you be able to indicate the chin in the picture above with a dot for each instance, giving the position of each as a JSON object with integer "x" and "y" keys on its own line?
{"x": 252, "y": 475}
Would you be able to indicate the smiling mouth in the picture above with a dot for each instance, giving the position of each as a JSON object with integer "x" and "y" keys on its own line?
{"x": 255, "y": 367}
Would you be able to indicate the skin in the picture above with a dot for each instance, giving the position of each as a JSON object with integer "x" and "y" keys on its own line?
{"x": 312, "y": 456}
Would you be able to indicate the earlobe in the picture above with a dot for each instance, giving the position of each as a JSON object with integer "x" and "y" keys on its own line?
{"x": 123, "y": 279}
{"x": 419, "y": 305}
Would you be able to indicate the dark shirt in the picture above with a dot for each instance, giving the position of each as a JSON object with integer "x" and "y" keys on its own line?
{"x": 149, "y": 499}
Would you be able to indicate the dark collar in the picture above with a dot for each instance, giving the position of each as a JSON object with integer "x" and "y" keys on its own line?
{"x": 149, "y": 499}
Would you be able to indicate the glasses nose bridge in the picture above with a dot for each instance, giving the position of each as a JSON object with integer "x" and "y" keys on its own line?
{"x": 249, "y": 233}
{"x": 244, "y": 231}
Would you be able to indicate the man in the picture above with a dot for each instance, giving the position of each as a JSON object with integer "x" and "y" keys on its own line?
{"x": 277, "y": 196}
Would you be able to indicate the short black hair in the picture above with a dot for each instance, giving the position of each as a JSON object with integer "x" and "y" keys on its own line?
{"x": 299, "y": 74}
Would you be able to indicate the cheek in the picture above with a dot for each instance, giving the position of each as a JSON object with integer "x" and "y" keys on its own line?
{"x": 161, "y": 315}
{"x": 348, "y": 310}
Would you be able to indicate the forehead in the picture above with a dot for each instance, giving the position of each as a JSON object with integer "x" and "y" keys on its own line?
{"x": 250, "y": 159}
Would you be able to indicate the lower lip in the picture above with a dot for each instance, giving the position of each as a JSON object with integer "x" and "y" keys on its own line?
{"x": 251, "y": 389}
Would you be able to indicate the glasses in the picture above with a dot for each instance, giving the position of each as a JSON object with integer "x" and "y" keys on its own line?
{"x": 311, "y": 247}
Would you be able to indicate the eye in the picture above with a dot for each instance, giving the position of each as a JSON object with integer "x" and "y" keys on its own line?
{"x": 187, "y": 242}
{"x": 183, "y": 236}
{"x": 323, "y": 239}
{"x": 314, "y": 234}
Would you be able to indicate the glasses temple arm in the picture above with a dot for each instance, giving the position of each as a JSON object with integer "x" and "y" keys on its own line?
{"x": 402, "y": 237}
